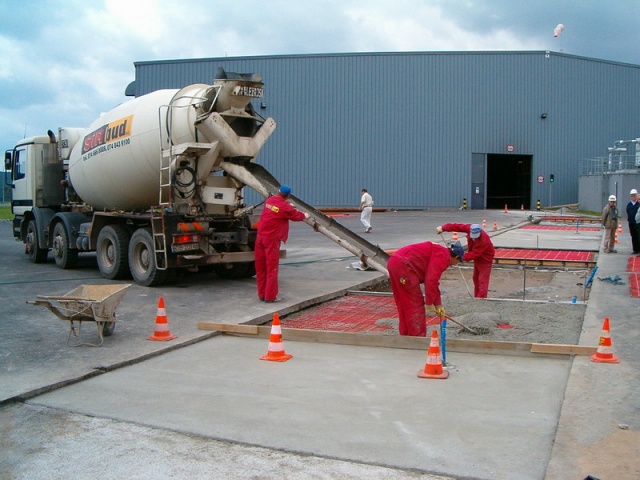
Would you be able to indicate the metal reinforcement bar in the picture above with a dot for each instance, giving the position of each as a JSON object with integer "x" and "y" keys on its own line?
{"x": 258, "y": 178}
{"x": 545, "y": 257}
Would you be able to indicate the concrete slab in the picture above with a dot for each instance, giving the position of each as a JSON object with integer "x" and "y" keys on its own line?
{"x": 356, "y": 404}
{"x": 442, "y": 426}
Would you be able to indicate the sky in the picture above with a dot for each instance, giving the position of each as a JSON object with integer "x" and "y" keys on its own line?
{"x": 64, "y": 63}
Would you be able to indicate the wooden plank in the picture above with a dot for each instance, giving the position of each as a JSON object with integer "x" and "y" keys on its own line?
{"x": 397, "y": 341}
{"x": 229, "y": 328}
{"x": 562, "y": 349}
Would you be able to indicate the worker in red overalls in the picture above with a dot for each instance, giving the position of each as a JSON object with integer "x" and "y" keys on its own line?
{"x": 480, "y": 251}
{"x": 273, "y": 228}
{"x": 411, "y": 266}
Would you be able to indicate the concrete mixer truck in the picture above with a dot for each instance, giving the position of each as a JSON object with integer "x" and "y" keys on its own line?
{"x": 156, "y": 185}
{"x": 144, "y": 186}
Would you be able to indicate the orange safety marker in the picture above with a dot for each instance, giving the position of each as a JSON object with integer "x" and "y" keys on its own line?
{"x": 433, "y": 367}
{"x": 495, "y": 224}
{"x": 161, "y": 333}
{"x": 604, "y": 354}
{"x": 484, "y": 222}
{"x": 522, "y": 206}
{"x": 506, "y": 210}
{"x": 617, "y": 240}
{"x": 619, "y": 227}
{"x": 275, "y": 352}
{"x": 454, "y": 237}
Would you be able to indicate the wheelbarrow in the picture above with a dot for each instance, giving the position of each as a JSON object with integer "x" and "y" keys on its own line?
{"x": 87, "y": 303}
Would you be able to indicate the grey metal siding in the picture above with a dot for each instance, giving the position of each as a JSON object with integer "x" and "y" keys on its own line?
{"x": 405, "y": 125}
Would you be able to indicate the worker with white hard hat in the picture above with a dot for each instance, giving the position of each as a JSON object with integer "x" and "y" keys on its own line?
{"x": 480, "y": 251}
{"x": 634, "y": 229}
{"x": 610, "y": 224}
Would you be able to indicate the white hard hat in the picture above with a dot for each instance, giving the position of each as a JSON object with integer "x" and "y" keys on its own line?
{"x": 612, "y": 198}
{"x": 633, "y": 192}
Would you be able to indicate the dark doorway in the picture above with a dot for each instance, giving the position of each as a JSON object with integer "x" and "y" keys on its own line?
{"x": 509, "y": 181}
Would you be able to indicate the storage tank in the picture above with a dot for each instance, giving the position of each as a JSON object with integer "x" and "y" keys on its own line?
{"x": 116, "y": 165}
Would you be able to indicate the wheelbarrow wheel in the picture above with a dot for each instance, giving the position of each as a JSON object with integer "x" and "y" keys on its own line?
{"x": 108, "y": 328}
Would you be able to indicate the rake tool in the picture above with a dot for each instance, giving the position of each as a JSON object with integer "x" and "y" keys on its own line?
{"x": 473, "y": 331}
{"x": 461, "y": 274}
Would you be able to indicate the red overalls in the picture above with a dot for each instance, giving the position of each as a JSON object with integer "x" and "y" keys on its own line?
{"x": 481, "y": 252}
{"x": 273, "y": 228}
{"x": 408, "y": 268}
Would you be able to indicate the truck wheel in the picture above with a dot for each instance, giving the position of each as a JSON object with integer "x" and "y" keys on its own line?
{"x": 142, "y": 260}
{"x": 111, "y": 252}
{"x": 36, "y": 254}
{"x": 65, "y": 256}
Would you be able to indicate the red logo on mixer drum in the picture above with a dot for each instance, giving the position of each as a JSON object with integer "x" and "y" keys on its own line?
{"x": 112, "y": 132}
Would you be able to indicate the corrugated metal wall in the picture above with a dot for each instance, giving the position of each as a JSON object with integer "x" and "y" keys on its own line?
{"x": 405, "y": 125}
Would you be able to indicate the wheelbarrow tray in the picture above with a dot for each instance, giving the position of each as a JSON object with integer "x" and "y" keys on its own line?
{"x": 96, "y": 303}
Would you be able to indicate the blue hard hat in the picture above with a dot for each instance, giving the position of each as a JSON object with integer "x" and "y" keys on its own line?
{"x": 285, "y": 190}
{"x": 475, "y": 230}
{"x": 457, "y": 250}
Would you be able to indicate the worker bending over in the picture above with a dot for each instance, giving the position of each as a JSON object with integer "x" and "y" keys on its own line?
{"x": 411, "y": 266}
{"x": 480, "y": 251}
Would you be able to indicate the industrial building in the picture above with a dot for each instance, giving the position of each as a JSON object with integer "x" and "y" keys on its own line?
{"x": 433, "y": 129}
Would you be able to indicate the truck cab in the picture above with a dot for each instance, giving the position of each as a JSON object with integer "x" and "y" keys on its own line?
{"x": 34, "y": 172}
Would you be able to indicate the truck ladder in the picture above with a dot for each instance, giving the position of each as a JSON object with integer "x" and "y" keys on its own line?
{"x": 165, "y": 177}
{"x": 159, "y": 238}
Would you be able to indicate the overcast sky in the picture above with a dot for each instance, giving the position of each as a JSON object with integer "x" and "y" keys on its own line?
{"x": 63, "y": 63}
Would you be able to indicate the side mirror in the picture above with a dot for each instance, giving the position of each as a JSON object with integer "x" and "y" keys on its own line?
{"x": 7, "y": 161}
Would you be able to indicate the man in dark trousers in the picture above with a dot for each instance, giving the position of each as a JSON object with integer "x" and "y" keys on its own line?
{"x": 273, "y": 228}
{"x": 480, "y": 251}
{"x": 411, "y": 266}
{"x": 632, "y": 210}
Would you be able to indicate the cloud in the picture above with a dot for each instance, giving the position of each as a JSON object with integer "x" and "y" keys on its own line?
{"x": 63, "y": 66}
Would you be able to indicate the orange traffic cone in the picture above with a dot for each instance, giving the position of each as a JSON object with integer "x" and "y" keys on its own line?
{"x": 433, "y": 367}
{"x": 484, "y": 222}
{"x": 495, "y": 224}
{"x": 617, "y": 240}
{"x": 161, "y": 333}
{"x": 522, "y": 206}
{"x": 619, "y": 228}
{"x": 604, "y": 353}
{"x": 454, "y": 237}
{"x": 506, "y": 210}
{"x": 275, "y": 352}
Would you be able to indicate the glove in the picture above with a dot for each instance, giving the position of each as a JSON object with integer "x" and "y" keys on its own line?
{"x": 440, "y": 311}
{"x": 439, "y": 230}
{"x": 306, "y": 215}
{"x": 430, "y": 310}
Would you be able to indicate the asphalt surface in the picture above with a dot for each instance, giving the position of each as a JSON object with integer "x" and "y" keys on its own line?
{"x": 204, "y": 406}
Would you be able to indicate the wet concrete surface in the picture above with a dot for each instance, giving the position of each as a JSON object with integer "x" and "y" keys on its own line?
{"x": 331, "y": 411}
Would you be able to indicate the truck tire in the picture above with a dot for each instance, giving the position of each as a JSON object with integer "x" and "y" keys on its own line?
{"x": 142, "y": 260}
{"x": 111, "y": 252}
{"x": 65, "y": 256}
{"x": 36, "y": 254}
